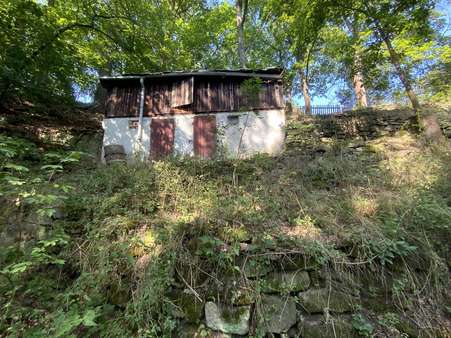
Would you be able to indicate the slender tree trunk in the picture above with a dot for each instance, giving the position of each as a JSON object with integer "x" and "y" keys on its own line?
{"x": 403, "y": 74}
{"x": 306, "y": 94}
{"x": 359, "y": 87}
{"x": 357, "y": 67}
{"x": 360, "y": 91}
{"x": 429, "y": 123}
{"x": 241, "y": 12}
{"x": 289, "y": 111}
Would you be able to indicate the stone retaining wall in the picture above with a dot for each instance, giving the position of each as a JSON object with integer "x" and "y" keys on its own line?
{"x": 366, "y": 124}
{"x": 369, "y": 123}
{"x": 289, "y": 298}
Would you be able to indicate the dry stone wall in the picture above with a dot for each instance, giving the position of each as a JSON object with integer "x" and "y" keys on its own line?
{"x": 366, "y": 124}
{"x": 369, "y": 123}
{"x": 291, "y": 297}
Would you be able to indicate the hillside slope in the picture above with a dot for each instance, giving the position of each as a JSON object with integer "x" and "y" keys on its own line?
{"x": 344, "y": 234}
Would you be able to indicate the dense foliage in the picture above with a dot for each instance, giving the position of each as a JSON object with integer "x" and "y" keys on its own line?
{"x": 53, "y": 50}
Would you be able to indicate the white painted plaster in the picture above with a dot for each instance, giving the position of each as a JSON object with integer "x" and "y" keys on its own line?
{"x": 263, "y": 133}
{"x": 259, "y": 132}
{"x": 117, "y": 131}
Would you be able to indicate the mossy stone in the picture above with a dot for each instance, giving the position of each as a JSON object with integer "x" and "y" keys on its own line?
{"x": 295, "y": 262}
{"x": 188, "y": 331}
{"x": 242, "y": 296}
{"x": 317, "y": 300}
{"x": 198, "y": 331}
{"x": 186, "y": 306}
{"x": 406, "y": 325}
{"x": 252, "y": 268}
{"x": 317, "y": 327}
{"x": 278, "y": 314}
{"x": 281, "y": 282}
{"x": 118, "y": 294}
{"x": 227, "y": 319}
{"x": 377, "y": 301}
{"x": 234, "y": 290}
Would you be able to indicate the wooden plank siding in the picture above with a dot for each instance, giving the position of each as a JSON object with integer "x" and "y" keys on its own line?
{"x": 163, "y": 98}
{"x": 122, "y": 102}
{"x": 189, "y": 95}
{"x": 182, "y": 92}
{"x": 157, "y": 99}
{"x": 225, "y": 95}
{"x": 216, "y": 96}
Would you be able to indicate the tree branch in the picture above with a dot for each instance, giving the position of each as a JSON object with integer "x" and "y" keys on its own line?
{"x": 64, "y": 29}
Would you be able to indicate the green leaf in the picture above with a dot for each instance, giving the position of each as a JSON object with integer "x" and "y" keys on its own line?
{"x": 16, "y": 167}
{"x": 14, "y": 181}
{"x": 66, "y": 322}
{"x": 89, "y": 317}
{"x": 52, "y": 167}
{"x": 17, "y": 268}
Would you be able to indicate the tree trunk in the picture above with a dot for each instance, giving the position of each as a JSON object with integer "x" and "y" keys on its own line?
{"x": 359, "y": 89}
{"x": 357, "y": 67}
{"x": 402, "y": 73}
{"x": 429, "y": 123}
{"x": 241, "y": 11}
{"x": 359, "y": 86}
{"x": 4, "y": 92}
{"x": 306, "y": 94}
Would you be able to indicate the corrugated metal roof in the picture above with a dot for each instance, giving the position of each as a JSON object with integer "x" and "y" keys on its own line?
{"x": 272, "y": 73}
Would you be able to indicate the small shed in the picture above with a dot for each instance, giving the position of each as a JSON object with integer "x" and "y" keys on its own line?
{"x": 201, "y": 113}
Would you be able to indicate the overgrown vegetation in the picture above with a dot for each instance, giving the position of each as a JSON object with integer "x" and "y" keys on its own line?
{"x": 92, "y": 250}
{"x": 114, "y": 244}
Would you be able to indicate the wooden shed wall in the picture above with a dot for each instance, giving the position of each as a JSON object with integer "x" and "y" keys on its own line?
{"x": 188, "y": 95}
{"x": 215, "y": 95}
{"x": 168, "y": 97}
{"x": 122, "y": 101}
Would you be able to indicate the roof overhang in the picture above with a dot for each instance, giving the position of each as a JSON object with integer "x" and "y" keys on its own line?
{"x": 268, "y": 73}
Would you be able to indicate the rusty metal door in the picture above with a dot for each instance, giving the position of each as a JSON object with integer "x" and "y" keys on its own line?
{"x": 162, "y": 137}
{"x": 204, "y": 135}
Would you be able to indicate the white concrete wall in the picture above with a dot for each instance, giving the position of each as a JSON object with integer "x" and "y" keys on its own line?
{"x": 260, "y": 132}
{"x": 117, "y": 131}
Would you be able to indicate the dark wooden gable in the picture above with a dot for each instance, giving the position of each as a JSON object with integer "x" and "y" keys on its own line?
{"x": 187, "y": 95}
{"x": 215, "y": 95}
{"x": 157, "y": 99}
{"x": 168, "y": 96}
{"x": 122, "y": 101}
{"x": 182, "y": 92}
{"x": 224, "y": 94}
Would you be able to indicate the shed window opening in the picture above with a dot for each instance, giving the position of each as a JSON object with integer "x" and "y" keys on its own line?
{"x": 233, "y": 120}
